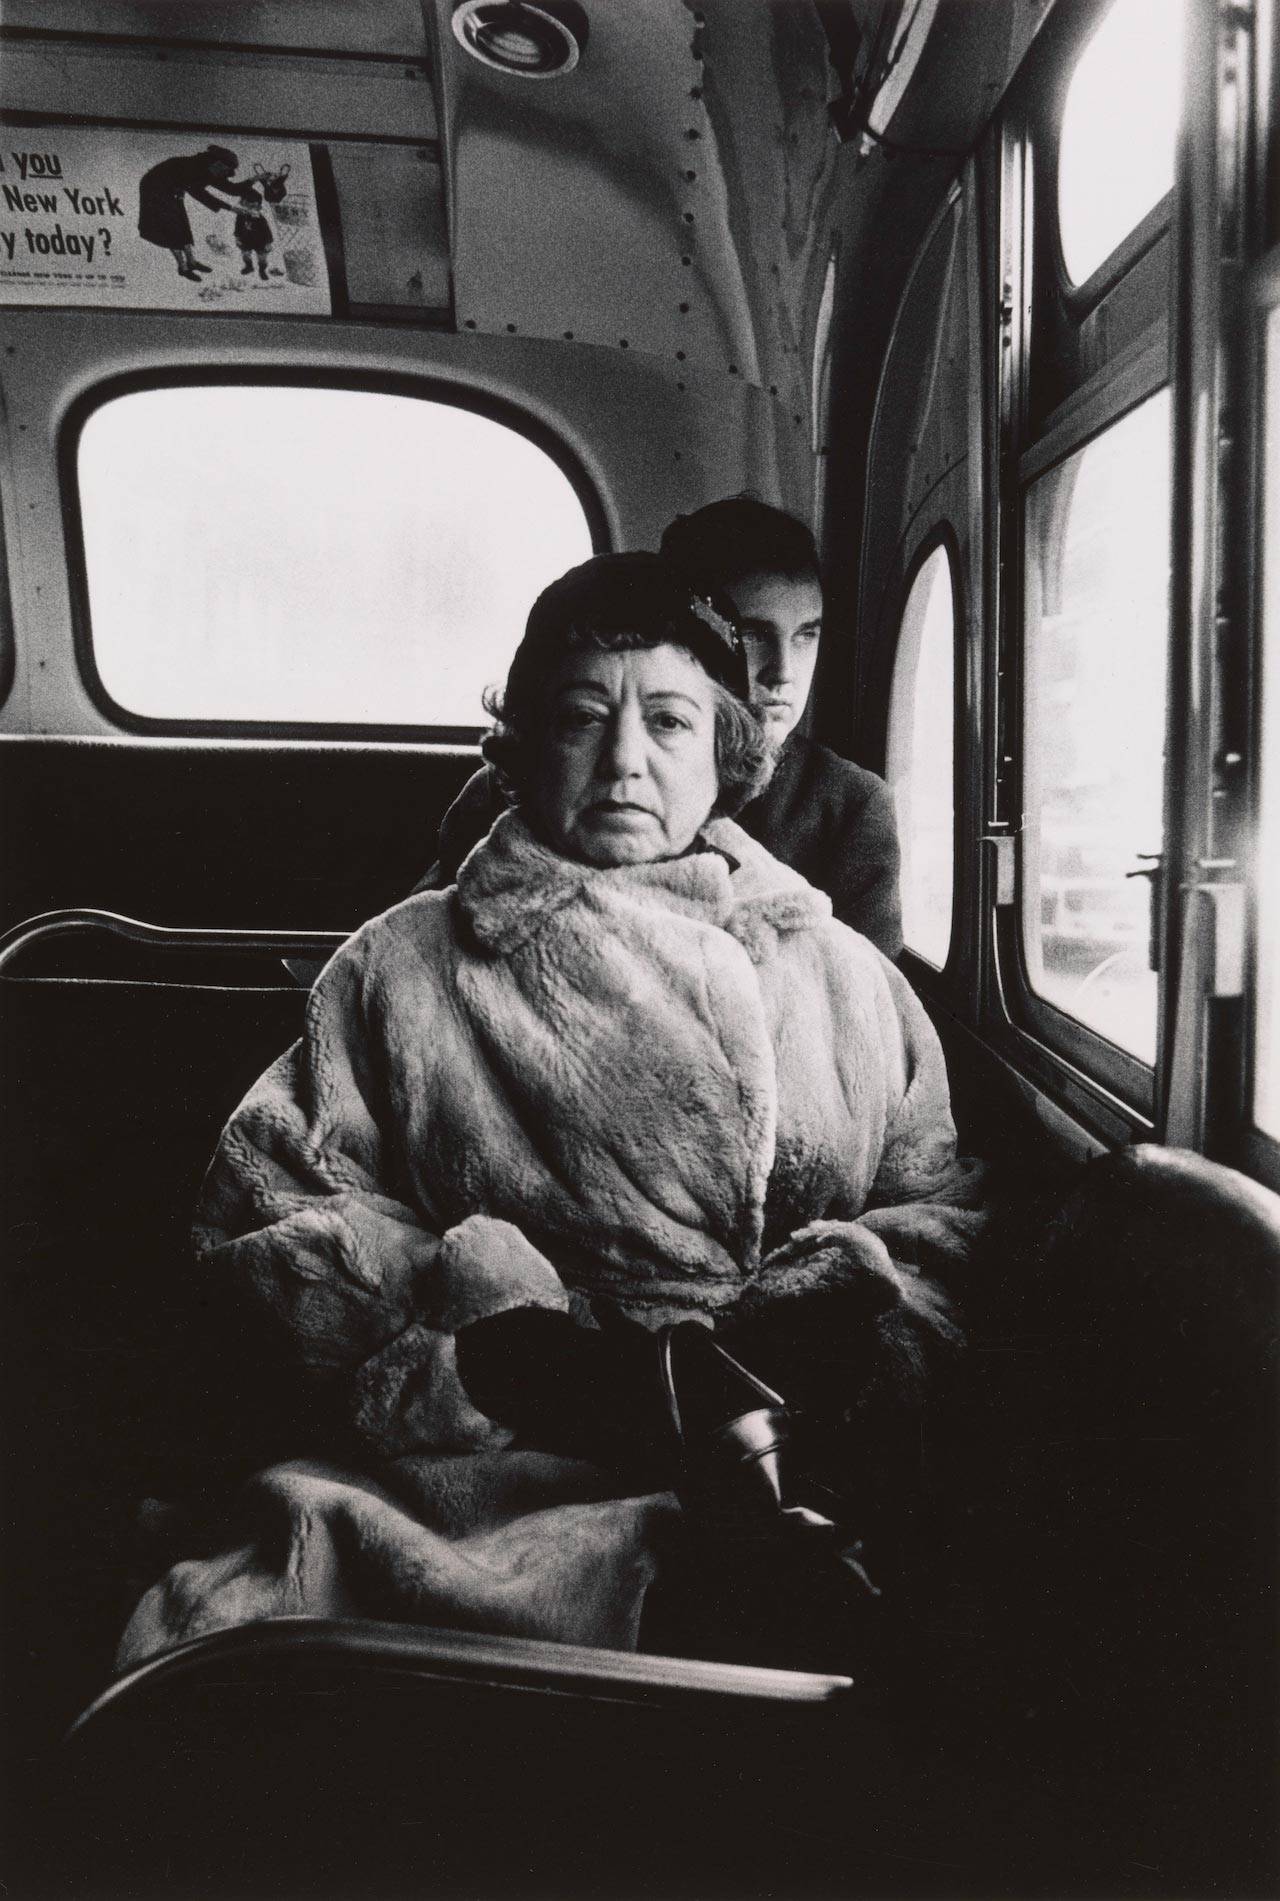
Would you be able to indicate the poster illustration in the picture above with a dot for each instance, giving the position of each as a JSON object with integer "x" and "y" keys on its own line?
{"x": 159, "y": 221}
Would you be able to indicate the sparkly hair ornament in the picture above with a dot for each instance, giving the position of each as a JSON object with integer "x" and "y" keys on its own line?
{"x": 711, "y": 617}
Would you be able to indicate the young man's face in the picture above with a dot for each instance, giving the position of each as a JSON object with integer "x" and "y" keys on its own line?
{"x": 780, "y": 619}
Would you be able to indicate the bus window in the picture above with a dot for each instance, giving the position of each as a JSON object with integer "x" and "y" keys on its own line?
{"x": 1119, "y": 130}
{"x": 1083, "y": 673}
{"x": 312, "y": 555}
{"x": 920, "y": 757}
{"x": 1097, "y": 585}
{"x": 1266, "y": 1047}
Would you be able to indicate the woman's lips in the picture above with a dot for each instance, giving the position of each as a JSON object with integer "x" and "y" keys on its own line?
{"x": 619, "y": 809}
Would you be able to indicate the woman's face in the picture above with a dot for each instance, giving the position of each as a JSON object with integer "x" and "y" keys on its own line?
{"x": 627, "y": 767}
{"x": 780, "y": 619}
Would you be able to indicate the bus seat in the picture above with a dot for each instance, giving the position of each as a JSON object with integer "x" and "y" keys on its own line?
{"x": 332, "y": 834}
{"x": 300, "y": 1757}
{"x": 1113, "y": 1547}
{"x": 117, "y": 1385}
{"x": 1162, "y": 1265}
{"x": 303, "y": 1757}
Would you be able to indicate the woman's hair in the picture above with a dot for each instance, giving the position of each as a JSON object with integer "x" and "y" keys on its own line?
{"x": 719, "y": 544}
{"x": 624, "y": 604}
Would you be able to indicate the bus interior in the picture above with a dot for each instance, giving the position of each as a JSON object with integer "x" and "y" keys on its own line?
{"x": 988, "y": 293}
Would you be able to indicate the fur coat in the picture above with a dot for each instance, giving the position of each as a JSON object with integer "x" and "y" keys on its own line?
{"x": 679, "y": 1089}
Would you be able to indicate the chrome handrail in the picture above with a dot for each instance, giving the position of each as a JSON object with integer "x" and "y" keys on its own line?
{"x": 164, "y": 937}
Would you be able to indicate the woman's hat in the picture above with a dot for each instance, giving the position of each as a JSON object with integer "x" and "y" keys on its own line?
{"x": 638, "y": 594}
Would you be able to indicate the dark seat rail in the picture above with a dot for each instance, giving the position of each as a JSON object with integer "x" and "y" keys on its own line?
{"x": 464, "y": 1656}
{"x": 33, "y": 932}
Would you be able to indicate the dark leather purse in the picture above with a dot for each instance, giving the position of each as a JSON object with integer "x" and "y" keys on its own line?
{"x": 745, "y": 1454}
{"x": 759, "y": 1566}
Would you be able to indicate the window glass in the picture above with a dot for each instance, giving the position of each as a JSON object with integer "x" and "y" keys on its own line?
{"x": 341, "y": 556}
{"x": 1266, "y": 1060}
{"x": 1119, "y": 130}
{"x": 919, "y": 757}
{"x": 1097, "y": 604}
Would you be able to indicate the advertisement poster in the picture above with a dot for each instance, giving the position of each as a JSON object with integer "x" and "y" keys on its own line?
{"x": 159, "y": 221}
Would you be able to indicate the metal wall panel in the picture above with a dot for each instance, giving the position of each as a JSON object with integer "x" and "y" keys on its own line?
{"x": 270, "y": 92}
{"x": 387, "y": 27}
{"x": 666, "y": 197}
{"x": 395, "y": 246}
{"x": 920, "y": 433}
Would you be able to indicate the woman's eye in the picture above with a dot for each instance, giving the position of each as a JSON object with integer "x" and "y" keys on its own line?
{"x": 668, "y": 723}
{"x": 577, "y": 719}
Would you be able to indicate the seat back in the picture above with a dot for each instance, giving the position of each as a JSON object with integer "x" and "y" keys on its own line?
{"x": 112, "y": 1094}
{"x": 1118, "y": 1505}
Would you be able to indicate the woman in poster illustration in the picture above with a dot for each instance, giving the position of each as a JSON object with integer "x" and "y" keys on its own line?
{"x": 162, "y": 192}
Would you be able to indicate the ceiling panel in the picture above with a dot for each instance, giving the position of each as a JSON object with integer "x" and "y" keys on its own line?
{"x": 391, "y": 28}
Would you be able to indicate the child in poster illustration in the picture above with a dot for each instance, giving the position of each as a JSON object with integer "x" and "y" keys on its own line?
{"x": 254, "y": 236}
{"x": 162, "y": 195}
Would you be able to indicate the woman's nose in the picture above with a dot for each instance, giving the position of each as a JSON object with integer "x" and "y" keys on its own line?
{"x": 622, "y": 755}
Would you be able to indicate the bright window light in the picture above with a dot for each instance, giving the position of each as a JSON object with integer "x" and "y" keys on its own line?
{"x": 920, "y": 757}
{"x": 313, "y": 555}
{"x": 1119, "y": 135}
{"x": 1095, "y": 646}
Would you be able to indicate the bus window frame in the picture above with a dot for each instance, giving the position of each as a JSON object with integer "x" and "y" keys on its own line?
{"x": 8, "y": 640}
{"x": 1062, "y": 46}
{"x": 424, "y": 388}
{"x": 1080, "y": 300}
{"x": 1113, "y": 1090}
{"x": 1258, "y": 1152}
{"x": 1228, "y": 217}
{"x": 1057, "y": 306}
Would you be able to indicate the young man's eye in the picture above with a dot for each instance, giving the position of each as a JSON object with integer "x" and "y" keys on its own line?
{"x": 807, "y": 634}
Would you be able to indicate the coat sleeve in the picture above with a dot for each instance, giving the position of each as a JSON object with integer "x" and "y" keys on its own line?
{"x": 305, "y": 1215}
{"x": 918, "y": 1161}
{"x": 869, "y": 1299}
{"x": 864, "y": 893}
{"x": 206, "y": 197}
{"x": 926, "y": 1200}
{"x": 463, "y": 825}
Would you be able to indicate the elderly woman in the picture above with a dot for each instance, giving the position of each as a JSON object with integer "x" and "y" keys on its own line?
{"x": 827, "y": 818}
{"x": 628, "y": 1070}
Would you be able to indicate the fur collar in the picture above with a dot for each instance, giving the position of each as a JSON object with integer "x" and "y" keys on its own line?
{"x": 511, "y": 885}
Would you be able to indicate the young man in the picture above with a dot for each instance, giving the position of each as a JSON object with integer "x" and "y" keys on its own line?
{"x": 831, "y": 820}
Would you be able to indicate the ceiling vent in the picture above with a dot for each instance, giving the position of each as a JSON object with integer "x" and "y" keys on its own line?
{"x": 514, "y": 36}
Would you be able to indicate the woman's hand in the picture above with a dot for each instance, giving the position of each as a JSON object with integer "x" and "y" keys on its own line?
{"x": 570, "y": 1389}
{"x": 834, "y": 1319}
